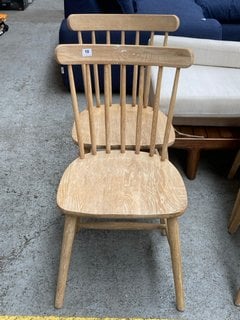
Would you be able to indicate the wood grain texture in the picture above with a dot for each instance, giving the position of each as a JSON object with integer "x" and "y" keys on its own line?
{"x": 122, "y": 185}
{"x": 131, "y": 120}
{"x": 129, "y": 54}
{"x": 121, "y": 225}
{"x": 126, "y": 22}
{"x": 68, "y": 237}
{"x": 174, "y": 242}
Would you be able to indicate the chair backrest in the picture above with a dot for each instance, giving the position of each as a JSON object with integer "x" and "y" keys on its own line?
{"x": 107, "y": 55}
{"x": 141, "y": 28}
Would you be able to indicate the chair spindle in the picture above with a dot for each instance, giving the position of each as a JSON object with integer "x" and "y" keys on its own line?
{"x": 140, "y": 110}
{"x": 148, "y": 77}
{"x": 90, "y": 110}
{"x": 170, "y": 115}
{"x": 76, "y": 111}
{"x": 165, "y": 41}
{"x": 83, "y": 67}
{"x": 155, "y": 111}
{"x": 108, "y": 41}
{"x": 135, "y": 74}
{"x": 123, "y": 107}
{"x": 96, "y": 76}
{"x": 106, "y": 109}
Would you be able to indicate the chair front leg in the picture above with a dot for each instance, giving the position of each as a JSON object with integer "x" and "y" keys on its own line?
{"x": 174, "y": 242}
{"x": 68, "y": 237}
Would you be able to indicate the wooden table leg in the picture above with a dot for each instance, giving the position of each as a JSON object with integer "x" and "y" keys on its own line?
{"x": 235, "y": 166}
{"x": 192, "y": 163}
{"x": 234, "y": 220}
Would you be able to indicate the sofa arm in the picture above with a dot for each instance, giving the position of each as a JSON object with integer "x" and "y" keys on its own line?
{"x": 207, "y": 52}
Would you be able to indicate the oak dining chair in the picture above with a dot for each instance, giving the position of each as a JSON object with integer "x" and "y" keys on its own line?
{"x": 125, "y": 27}
{"x": 118, "y": 184}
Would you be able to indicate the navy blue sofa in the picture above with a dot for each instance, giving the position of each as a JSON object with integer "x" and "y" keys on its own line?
{"x": 218, "y": 19}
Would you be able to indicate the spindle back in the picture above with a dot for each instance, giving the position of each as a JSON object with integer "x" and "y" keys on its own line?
{"x": 132, "y": 28}
{"x": 141, "y": 56}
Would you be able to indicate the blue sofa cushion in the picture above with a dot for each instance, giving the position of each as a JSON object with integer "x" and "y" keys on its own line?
{"x": 231, "y": 31}
{"x": 127, "y": 6}
{"x": 192, "y": 21}
{"x": 222, "y": 10}
{"x": 188, "y": 7}
{"x": 110, "y": 6}
{"x": 98, "y": 6}
{"x": 81, "y": 6}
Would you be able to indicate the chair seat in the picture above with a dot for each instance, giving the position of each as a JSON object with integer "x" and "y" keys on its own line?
{"x": 131, "y": 118}
{"x": 122, "y": 185}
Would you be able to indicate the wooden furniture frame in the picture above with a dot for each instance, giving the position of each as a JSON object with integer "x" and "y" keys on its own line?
{"x": 123, "y": 23}
{"x": 234, "y": 221}
{"x": 194, "y": 139}
{"x": 119, "y": 183}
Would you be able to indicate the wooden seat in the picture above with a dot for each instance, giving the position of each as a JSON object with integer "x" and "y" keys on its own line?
{"x": 136, "y": 197}
{"x": 122, "y": 183}
{"x": 124, "y": 23}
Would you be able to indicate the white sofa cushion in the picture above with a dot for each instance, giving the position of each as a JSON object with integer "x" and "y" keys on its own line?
{"x": 207, "y": 52}
{"x": 203, "y": 91}
{"x": 210, "y": 90}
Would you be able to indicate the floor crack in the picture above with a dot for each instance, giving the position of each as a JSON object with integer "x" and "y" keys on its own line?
{"x": 16, "y": 253}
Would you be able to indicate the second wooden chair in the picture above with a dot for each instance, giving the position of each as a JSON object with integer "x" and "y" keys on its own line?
{"x": 128, "y": 27}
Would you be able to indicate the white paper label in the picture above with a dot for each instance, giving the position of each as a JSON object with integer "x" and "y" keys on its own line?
{"x": 86, "y": 52}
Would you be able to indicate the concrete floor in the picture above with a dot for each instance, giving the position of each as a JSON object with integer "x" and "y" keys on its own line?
{"x": 116, "y": 274}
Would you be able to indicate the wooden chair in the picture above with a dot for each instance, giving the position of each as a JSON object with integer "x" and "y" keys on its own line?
{"x": 138, "y": 25}
{"x": 122, "y": 184}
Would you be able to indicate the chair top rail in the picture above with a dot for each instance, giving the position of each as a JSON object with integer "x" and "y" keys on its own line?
{"x": 75, "y": 54}
{"x": 126, "y": 22}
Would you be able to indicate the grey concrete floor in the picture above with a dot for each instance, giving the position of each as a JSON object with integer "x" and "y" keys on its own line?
{"x": 117, "y": 274}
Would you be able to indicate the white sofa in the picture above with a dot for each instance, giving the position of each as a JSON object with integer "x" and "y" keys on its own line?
{"x": 209, "y": 91}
